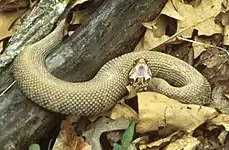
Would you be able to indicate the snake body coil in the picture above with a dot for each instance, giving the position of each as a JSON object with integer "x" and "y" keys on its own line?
{"x": 108, "y": 86}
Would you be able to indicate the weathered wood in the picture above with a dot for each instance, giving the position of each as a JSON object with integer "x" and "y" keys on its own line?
{"x": 38, "y": 24}
{"x": 114, "y": 29}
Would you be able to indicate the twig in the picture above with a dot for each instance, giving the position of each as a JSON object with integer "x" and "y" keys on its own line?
{"x": 3, "y": 92}
{"x": 178, "y": 33}
{"x": 200, "y": 43}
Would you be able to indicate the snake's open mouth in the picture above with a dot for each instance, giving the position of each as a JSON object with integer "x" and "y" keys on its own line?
{"x": 139, "y": 75}
{"x": 140, "y": 70}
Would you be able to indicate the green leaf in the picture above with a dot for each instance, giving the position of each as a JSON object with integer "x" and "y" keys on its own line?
{"x": 117, "y": 146}
{"x": 127, "y": 136}
{"x": 34, "y": 147}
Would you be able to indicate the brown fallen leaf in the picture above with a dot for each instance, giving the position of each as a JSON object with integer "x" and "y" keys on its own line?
{"x": 221, "y": 119}
{"x": 212, "y": 135}
{"x": 157, "y": 110}
{"x": 198, "y": 48}
{"x": 204, "y": 13}
{"x": 68, "y": 139}
{"x": 13, "y": 5}
{"x": 79, "y": 16}
{"x": 176, "y": 141}
{"x": 223, "y": 137}
{"x": 123, "y": 110}
{"x": 170, "y": 10}
{"x": 113, "y": 137}
{"x": 141, "y": 141}
{"x": 102, "y": 125}
{"x": 6, "y": 21}
{"x": 223, "y": 19}
{"x": 187, "y": 142}
{"x": 216, "y": 70}
{"x": 154, "y": 36}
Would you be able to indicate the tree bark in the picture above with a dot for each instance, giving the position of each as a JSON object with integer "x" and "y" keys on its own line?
{"x": 114, "y": 29}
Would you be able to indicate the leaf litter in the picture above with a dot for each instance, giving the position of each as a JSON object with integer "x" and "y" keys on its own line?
{"x": 194, "y": 31}
{"x": 198, "y": 38}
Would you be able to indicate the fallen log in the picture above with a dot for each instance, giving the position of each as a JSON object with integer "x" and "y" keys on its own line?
{"x": 114, "y": 29}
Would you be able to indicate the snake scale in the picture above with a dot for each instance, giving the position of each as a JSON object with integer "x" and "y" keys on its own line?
{"x": 109, "y": 84}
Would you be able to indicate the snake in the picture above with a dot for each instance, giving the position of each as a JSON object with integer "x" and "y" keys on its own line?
{"x": 172, "y": 77}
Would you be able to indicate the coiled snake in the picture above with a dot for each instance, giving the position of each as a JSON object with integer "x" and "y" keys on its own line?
{"x": 108, "y": 86}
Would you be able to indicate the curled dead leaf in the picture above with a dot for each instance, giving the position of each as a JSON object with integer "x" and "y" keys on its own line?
{"x": 6, "y": 21}
{"x": 202, "y": 16}
{"x": 171, "y": 11}
{"x": 102, "y": 125}
{"x": 176, "y": 141}
{"x": 125, "y": 111}
{"x": 221, "y": 119}
{"x": 68, "y": 139}
{"x": 157, "y": 110}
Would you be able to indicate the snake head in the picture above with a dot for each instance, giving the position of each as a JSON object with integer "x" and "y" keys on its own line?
{"x": 140, "y": 74}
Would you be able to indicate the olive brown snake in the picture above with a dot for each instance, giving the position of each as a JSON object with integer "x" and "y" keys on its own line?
{"x": 108, "y": 86}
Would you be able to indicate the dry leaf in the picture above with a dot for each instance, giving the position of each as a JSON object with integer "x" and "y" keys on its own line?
{"x": 157, "y": 110}
{"x": 221, "y": 119}
{"x": 123, "y": 110}
{"x": 199, "y": 48}
{"x": 158, "y": 142}
{"x": 104, "y": 125}
{"x": 80, "y": 16}
{"x": 217, "y": 73}
{"x": 222, "y": 137}
{"x": 175, "y": 141}
{"x": 1, "y": 46}
{"x": 68, "y": 139}
{"x": 226, "y": 36}
{"x": 140, "y": 142}
{"x": 187, "y": 142}
{"x": 150, "y": 25}
{"x": 155, "y": 36}
{"x": 79, "y": 2}
{"x": 6, "y": 20}
{"x": 201, "y": 13}
{"x": 161, "y": 141}
{"x": 170, "y": 11}
{"x": 223, "y": 19}
{"x": 77, "y": 18}
{"x": 13, "y": 5}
